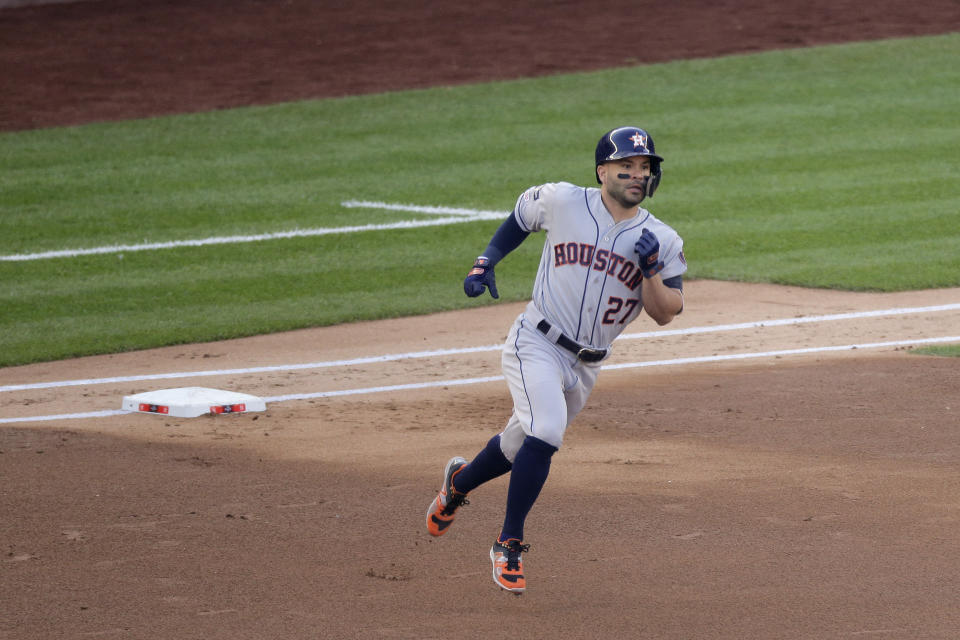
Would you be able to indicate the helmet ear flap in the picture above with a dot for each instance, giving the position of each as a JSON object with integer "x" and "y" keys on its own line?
{"x": 652, "y": 183}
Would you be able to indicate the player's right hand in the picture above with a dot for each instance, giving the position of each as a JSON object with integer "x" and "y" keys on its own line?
{"x": 480, "y": 277}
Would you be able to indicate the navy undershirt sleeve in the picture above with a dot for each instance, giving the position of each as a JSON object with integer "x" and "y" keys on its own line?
{"x": 676, "y": 282}
{"x": 507, "y": 238}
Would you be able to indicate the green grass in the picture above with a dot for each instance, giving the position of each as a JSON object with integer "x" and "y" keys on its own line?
{"x": 828, "y": 167}
{"x": 950, "y": 350}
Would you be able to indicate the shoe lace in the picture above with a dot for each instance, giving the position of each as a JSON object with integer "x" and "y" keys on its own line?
{"x": 454, "y": 502}
{"x": 514, "y": 549}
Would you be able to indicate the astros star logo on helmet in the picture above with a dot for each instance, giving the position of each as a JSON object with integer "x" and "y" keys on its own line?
{"x": 639, "y": 140}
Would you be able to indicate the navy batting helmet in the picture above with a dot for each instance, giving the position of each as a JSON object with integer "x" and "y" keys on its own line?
{"x": 624, "y": 142}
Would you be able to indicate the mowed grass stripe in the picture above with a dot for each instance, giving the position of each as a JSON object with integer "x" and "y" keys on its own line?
{"x": 831, "y": 167}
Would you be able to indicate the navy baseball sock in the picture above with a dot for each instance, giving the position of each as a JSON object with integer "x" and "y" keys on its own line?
{"x": 490, "y": 463}
{"x": 530, "y": 469}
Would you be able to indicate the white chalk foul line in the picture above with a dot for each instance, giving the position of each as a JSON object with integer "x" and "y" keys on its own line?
{"x": 454, "y": 216}
{"x": 473, "y": 214}
{"x": 468, "y": 381}
{"x": 495, "y": 347}
{"x": 67, "y": 416}
{"x": 783, "y": 352}
{"x": 853, "y": 315}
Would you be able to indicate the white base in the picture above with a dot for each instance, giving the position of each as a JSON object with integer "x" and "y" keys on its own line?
{"x": 191, "y": 402}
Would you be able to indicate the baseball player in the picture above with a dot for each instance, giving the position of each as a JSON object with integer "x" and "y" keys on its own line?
{"x": 605, "y": 259}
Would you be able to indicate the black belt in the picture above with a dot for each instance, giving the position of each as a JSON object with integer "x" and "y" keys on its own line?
{"x": 583, "y": 353}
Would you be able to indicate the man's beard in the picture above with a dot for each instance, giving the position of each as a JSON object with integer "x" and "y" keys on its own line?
{"x": 626, "y": 199}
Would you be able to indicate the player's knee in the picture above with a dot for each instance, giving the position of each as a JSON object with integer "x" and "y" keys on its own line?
{"x": 510, "y": 440}
{"x": 541, "y": 446}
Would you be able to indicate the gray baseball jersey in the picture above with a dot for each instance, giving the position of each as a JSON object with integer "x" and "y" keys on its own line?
{"x": 588, "y": 283}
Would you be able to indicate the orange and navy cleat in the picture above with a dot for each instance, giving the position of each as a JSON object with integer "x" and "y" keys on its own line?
{"x": 508, "y": 565}
{"x": 443, "y": 509}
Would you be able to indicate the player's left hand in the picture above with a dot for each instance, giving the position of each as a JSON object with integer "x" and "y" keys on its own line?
{"x": 648, "y": 248}
{"x": 479, "y": 278}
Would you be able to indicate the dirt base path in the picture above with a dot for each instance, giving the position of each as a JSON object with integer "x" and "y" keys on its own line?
{"x": 794, "y": 496}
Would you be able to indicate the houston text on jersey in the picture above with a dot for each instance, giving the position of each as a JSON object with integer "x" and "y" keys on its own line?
{"x": 587, "y": 255}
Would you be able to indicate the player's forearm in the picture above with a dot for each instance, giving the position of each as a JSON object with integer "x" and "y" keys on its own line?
{"x": 507, "y": 238}
{"x": 662, "y": 303}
